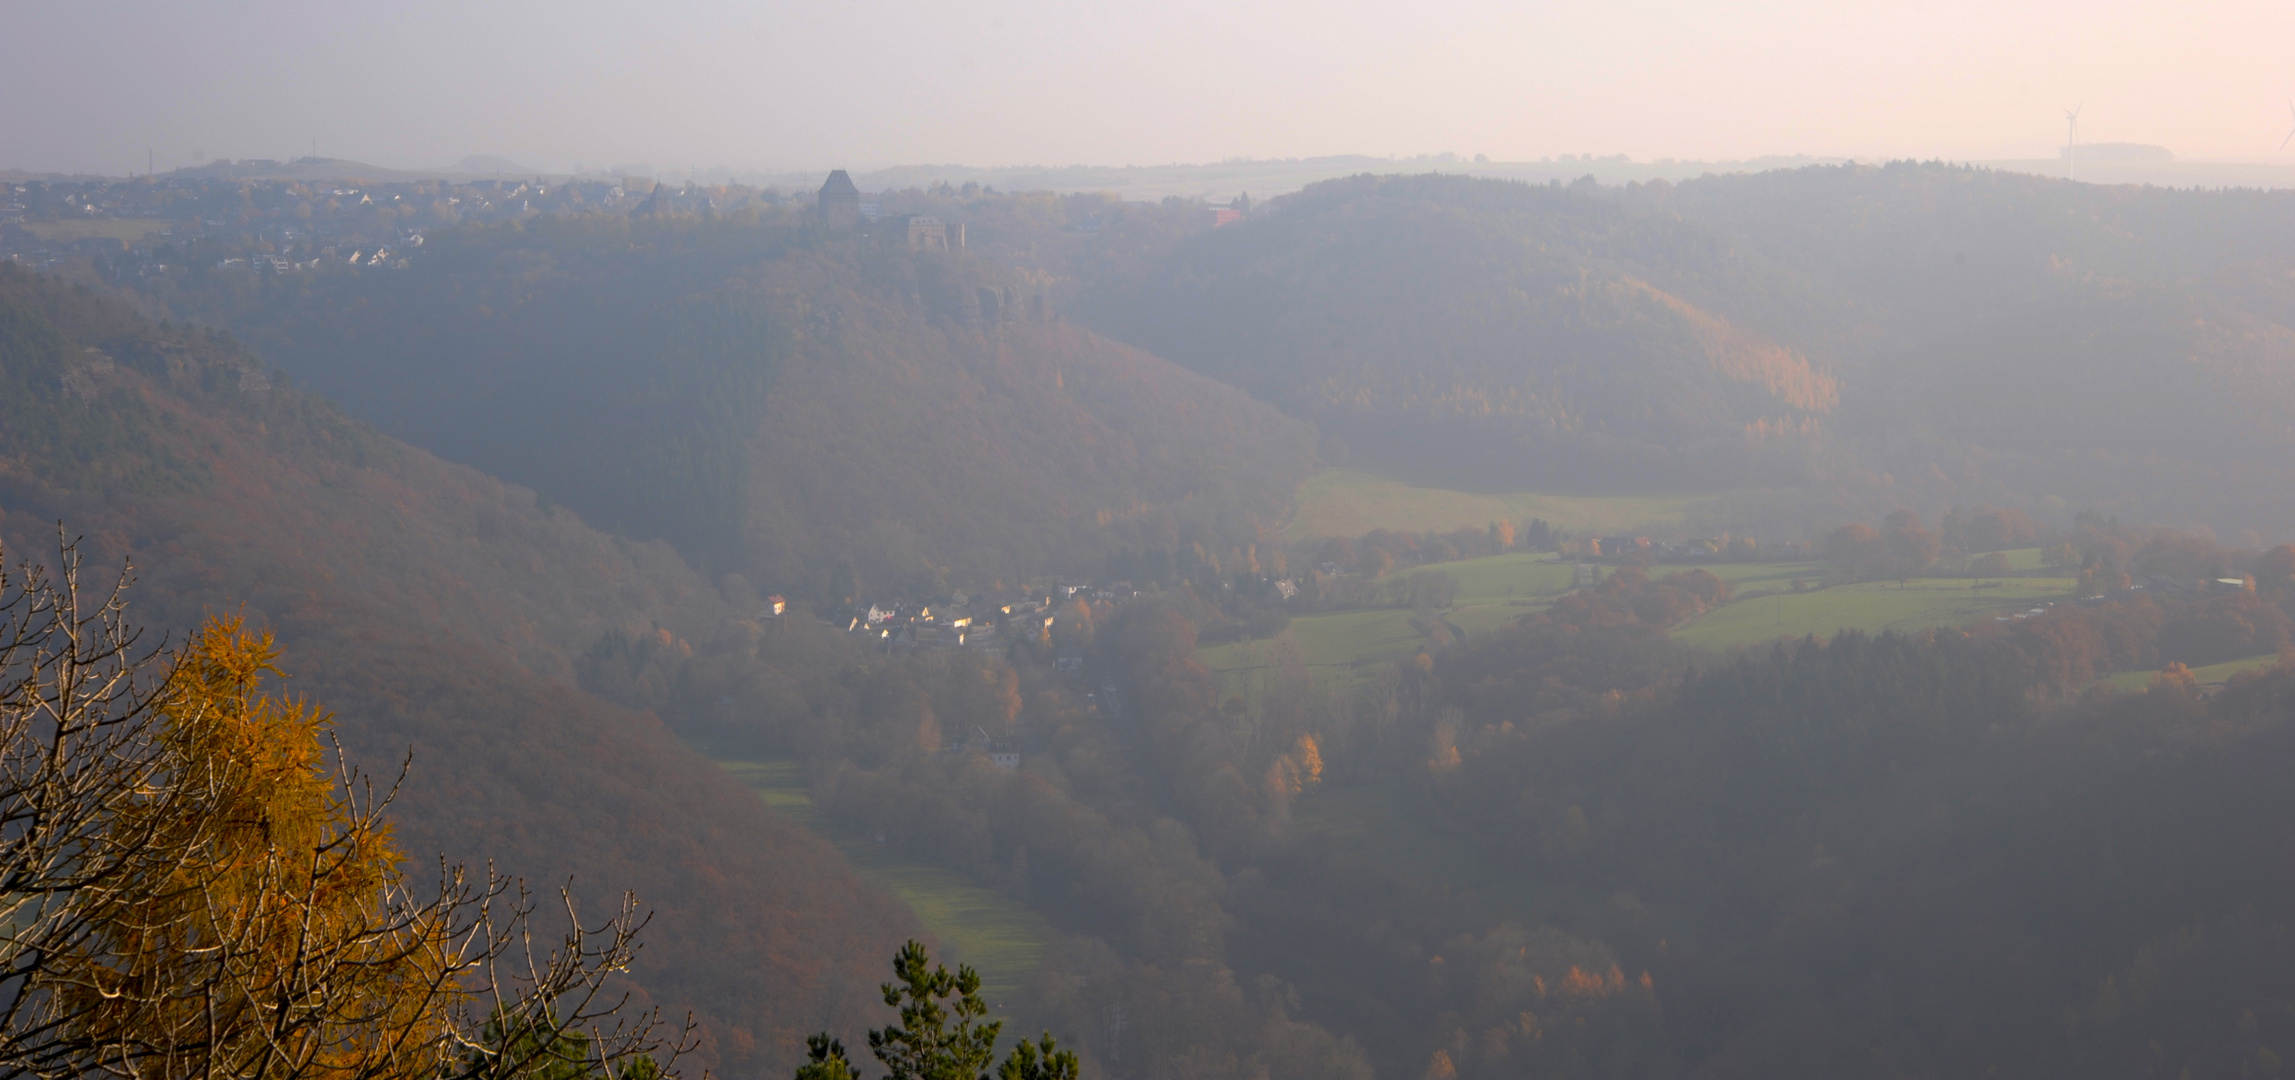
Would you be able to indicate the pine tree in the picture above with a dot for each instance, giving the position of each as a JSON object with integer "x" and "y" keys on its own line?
{"x": 922, "y": 1046}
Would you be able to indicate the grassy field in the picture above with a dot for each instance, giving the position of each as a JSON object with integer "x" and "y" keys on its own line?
{"x": 1351, "y": 645}
{"x": 1341, "y": 502}
{"x": 1347, "y": 646}
{"x": 1500, "y": 578}
{"x": 999, "y": 936}
{"x": 1493, "y": 592}
{"x": 70, "y": 229}
{"x": 2211, "y": 675}
{"x": 1873, "y": 606}
{"x": 2023, "y": 559}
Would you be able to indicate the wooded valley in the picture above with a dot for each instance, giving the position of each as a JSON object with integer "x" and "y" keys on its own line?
{"x": 1834, "y": 621}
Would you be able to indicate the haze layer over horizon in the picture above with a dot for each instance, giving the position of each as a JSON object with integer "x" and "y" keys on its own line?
{"x": 108, "y": 86}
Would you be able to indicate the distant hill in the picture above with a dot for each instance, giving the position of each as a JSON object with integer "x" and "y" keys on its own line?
{"x": 801, "y": 408}
{"x": 1915, "y": 335}
{"x": 1831, "y": 342}
{"x": 302, "y": 168}
{"x": 1221, "y": 181}
{"x": 1491, "y": 333}
{"x": 311, "y": 167}
{"x": 2021, "y": 339}
{"x": 479, "y": 164}
{"x": 438, "y": 610}
{"x": 2155, "y": 166}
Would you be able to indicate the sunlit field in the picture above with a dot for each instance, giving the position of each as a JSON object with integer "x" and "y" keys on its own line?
{"x": 1342, "y": 502}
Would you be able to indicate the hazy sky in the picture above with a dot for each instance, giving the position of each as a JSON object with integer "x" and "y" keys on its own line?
{"x": 91, "y": 84}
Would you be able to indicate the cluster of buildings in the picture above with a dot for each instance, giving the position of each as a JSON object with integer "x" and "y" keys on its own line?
{"x": 991, "y": 624}
{"x": 962, "y": 621}
{"x": 1696, "y": 549}
{"x": 237, "y": 216}
{"x": 2169, "y": 585}
{"x": 191, "y": 221}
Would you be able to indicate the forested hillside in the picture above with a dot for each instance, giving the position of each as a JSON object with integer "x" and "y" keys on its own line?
{"x": 2128, "y": 350}
{"x": 1911, "y": 334}
{"x": 1489, "y": 332}
{"x": 439, "y": 611}
{"x": 801, "y": 408}
{"x": 508, "y": 645}
{"x": 1557, "y": 842}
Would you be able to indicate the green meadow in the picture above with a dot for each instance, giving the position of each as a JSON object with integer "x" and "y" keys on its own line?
{"x": 1349, "y": 646}
{"x": 1002, "y": 938}
{"x": 1495, "y": 591}
{"x": 1342, "y": 502}
{"x": 1872, "y": 606}
{"x": 1352, "y": 645}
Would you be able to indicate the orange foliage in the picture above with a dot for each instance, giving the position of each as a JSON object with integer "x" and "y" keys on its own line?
{"x": 2175, "y": 677}
{"x": 1746, "y": 356}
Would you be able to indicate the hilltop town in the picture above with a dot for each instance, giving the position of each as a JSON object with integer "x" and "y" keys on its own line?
{"x": 187, "y": 223}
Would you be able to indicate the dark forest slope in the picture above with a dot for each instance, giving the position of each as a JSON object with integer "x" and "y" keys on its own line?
{"x": 439, "y": 610}
{"x": 1901, "y": 335}
{"x": 918, "y": 426}
{"x": 781, "y": 402}
{"x": 1489, "y": 332}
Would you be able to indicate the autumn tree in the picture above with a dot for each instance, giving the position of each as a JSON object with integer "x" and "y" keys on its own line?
{"x": 1988, "y": 528}
{"x": 1856, "y": 546}
{"x": 1911, "y": 547}
{"x": 199, "y": 888}
{"x": 1428, "y": 590}
{"x": 2275, "y": 570}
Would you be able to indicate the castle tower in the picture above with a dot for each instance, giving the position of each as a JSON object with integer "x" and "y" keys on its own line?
{"x": 840, "y": 202}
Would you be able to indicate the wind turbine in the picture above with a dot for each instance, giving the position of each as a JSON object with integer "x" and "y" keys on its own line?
{"x": 2290, "y": 131}
{"x": 2072, "y": 140}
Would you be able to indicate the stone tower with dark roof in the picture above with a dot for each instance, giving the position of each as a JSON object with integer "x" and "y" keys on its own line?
{"x": 840, "y": 202}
